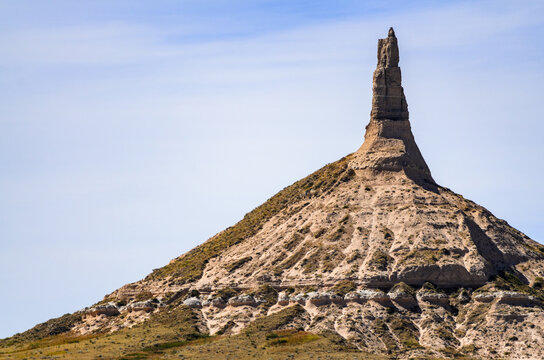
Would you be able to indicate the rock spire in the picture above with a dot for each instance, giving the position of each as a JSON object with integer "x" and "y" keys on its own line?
{"x": 389, "y": 144}
{"x": 388, "y": 101}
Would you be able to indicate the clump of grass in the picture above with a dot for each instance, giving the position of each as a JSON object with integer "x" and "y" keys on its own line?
{"x": 343, "y": 287}
{"x": 403, "y": 287}
{"x": 380, "y": 260}
{"x": 189, "y": 267}
{"x": 405, "y": 331}
{"x": 56, "y": 326}
{"x": 320, "y": 233}
{"x": 477, "y": 315}
{"x": 289, "y": 262}
{"x": 226, "y": 293}
{"x": 387, "y": 234}
{"x": 348, "y": 175}
{"x": 293, "y": 241}
{"x": 311, "y": 263}
{"x": 290, "y": 337}
{"x": 447, "y": 335}
{"x": 469, "y": 348}
{"x": 423, "y": 256}
{"x": 429, "y": 287}
{"x": 238, "y": 263}
{"x": 275, "y": 321}
{"x": 143, "y": 296}
{"x": 337, "y": 235}
{"x": 355, "y": 255}
{"x": 509, "y": 281}
{"x": 332, "y": 259}
{"x": 266, "y": 293}
{"x": 538, "y": 284}
{"x": 380, "y": 329}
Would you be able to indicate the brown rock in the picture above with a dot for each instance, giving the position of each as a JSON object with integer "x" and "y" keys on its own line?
{"x": 389, "y": 144}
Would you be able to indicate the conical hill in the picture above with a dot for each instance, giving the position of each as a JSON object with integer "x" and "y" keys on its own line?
{"x": 375, "y": 217}
{"x": 366, "y": 254}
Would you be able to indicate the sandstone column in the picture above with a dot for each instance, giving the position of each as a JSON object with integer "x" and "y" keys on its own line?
{"x": 388, "y": 101}
{"x": 389, "y": 144}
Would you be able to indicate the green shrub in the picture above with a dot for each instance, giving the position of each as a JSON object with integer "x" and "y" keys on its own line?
{"x": 226, "y": 293}
{"x": 403, "y": 287}
{"x": 380, "y": 260}
{"x": 343, "y": 287}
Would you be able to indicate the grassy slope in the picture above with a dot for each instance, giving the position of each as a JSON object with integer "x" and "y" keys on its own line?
{"x": 189, "y": 267}
{"x": 174, "y": 333}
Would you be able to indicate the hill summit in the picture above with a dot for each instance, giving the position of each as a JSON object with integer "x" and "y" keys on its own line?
{"x": 367, "y": 255}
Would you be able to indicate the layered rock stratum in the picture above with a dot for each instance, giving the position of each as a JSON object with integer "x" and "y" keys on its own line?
{"x": 368, "y": 253}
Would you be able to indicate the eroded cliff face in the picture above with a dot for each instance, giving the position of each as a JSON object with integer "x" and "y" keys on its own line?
{"x": 389, "y": 144}
{"x": 370, "y": 247}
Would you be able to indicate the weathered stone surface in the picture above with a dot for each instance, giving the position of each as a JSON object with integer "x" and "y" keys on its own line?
{"x": 402, "y": 298}
{"x": 365, "y": 295}
{"x": 432, "y": 297}
{"x": 318, "y": 298}
{"x": 242, "y": 300}
{"x": 147, "y": 306}
{"x": 506, "y": 297}
{"x": 193, "y": 302}
{"x": 389, "y": 144}
{"x": 299, "y": 298}
{"x": 388, "y": 100}
{"x": 109, "y": 309}
{"x": 283, "y": 298}
{"x": 218, "y": 302}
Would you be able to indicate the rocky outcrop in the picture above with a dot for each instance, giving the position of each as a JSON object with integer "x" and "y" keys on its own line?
{"x": 323, "y": 298}
{"x": 432, "y": 297}
{"x": 109, "y": 309}
{"x": 506, "y": 297}
{"x": 389, "y": 144}
{"x": 365, "y": 295}
{"x": 193, "y": 302}
{"x": 147, "y": 306}
{"x": 388, "y": 100}
{"x": 403, "y": 298}
{"x": 283, "y": 298}
{"x": 243, "y": 300}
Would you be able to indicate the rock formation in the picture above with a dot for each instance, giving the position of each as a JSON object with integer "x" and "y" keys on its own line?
{"x": 368, "y": 248}
{"x": 388, "y": 100}
{"x": 389, "y": 144}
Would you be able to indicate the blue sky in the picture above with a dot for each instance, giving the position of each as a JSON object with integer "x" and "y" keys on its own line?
{"x": 131, "y": 132}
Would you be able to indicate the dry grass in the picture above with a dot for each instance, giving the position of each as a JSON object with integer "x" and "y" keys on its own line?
{"x": 174, "y": 333}
{"x": 189, "y": 267}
